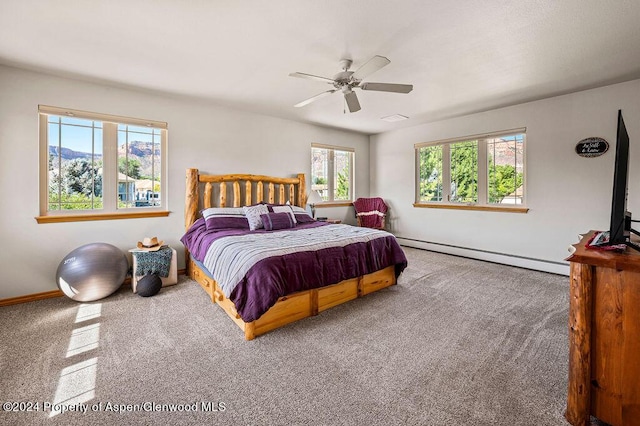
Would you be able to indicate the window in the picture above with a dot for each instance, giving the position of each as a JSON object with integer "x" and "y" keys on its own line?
{"x": 139, "y": 165}
{"x": 100, "y": 166}
{"x": 332, "y": 173}
{"x": 483, "y": 171}
{"x": 506, "y": 169}
{"x": 464, "y": 172}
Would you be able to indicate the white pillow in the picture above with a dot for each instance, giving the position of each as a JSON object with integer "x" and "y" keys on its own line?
{"x": 302, "y": 216}
{"x": 285, "y": 209}
{"x": 253, "y": 215}
{"x": 225, "y": 217}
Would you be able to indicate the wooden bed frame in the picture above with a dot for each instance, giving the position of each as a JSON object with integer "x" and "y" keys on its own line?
{"x": 247, "y": 190}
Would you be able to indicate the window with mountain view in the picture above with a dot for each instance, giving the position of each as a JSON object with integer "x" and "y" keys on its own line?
{"x": 506, "y": 169}
{"x": 139, "y": 164}
{"x": 75, "y": 163}
{"x": 103, "y": 164}
{"x": 332, "y": 172}
{"x": 484, "y": 170}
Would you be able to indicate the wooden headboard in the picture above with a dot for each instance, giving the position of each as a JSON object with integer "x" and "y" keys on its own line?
{"x": 244, "y": 190}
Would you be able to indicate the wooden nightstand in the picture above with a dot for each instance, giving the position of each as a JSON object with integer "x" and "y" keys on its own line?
{"x": 333, "y": 221}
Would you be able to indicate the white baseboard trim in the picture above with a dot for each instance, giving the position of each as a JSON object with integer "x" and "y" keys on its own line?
{"x": 489, "y": 256}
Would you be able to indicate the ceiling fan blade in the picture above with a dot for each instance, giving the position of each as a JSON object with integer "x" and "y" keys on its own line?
{"x": 387, "y": 87}
{"x": 352, "y": 101}
{"x": 369, "y": 67}
{"x": 313, "y": 98}
{"x": 312, "y": 77}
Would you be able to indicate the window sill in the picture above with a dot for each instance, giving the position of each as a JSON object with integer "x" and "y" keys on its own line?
{"x": 334, "y": 204}
{"x": 472, "y": 207}
{"x": 101, "y": 216}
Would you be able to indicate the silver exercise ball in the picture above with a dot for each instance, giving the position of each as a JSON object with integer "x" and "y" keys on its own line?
{"x": 92, "y": 272}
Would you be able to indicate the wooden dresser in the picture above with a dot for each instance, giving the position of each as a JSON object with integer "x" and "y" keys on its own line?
{"x": 604, "y": 336}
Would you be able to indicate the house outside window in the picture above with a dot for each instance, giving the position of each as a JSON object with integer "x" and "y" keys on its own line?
{"x": 100, "y": 166}
{"x": 476, "y": 171}
{"x": 332, "y": 172}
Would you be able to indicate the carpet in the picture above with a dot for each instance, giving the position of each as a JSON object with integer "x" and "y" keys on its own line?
{"x": 456, "y": 342}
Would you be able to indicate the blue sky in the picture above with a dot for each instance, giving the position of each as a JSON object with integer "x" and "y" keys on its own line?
{"x": 77, "y": 133}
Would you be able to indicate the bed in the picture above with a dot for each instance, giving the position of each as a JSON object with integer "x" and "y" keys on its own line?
{"x": 267, "y": 278}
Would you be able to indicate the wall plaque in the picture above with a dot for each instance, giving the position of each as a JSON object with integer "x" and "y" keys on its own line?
{"x": 592, "y": 147}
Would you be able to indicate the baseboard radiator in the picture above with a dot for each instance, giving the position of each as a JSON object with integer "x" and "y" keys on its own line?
{"x": 561, "y": 268}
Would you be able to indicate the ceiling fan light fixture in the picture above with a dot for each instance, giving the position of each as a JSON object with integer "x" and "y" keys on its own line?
{"x": 393, "y": 118}
{"x": 345, "y": 81}
{"x": 345, "y": 64}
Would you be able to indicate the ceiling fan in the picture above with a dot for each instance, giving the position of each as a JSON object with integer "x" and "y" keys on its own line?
{"x": 345, "y": 81}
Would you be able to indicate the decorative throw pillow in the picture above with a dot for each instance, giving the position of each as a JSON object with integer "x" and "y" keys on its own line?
{"x": 273, "y": 221}
{"x": 301, "y": 215}
{"x": 225, "y": 218}
{"x": 284, "y": 209}
{"x": 253, "y": 215}
{"x": 304, "y": 218}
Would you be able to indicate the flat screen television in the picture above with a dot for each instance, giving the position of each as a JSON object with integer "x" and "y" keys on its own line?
{"x": 620, "y": 227}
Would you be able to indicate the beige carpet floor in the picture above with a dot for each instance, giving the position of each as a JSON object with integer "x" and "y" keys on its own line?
{"x": 456, "y": 342}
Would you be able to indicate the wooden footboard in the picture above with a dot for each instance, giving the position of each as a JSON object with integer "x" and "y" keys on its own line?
{"x": 295, "y": 306}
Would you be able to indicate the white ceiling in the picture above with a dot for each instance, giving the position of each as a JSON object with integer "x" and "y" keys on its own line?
{"x": 461, "y": 56}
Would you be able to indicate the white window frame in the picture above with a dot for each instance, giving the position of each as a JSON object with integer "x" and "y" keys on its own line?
{"x": 110, "y": 208}
{"x": 331, "y": 150}
{"x": 482, "y": 174}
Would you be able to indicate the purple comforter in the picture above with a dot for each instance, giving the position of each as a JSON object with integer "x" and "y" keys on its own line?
{"x": 274, "y": 277}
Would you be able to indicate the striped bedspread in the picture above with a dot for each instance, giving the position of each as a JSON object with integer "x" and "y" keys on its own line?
{"x": 230, "y": 258}
{"x": 255, "y": 268}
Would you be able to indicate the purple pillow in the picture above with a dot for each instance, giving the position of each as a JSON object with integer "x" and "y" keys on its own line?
{"x": 225, "y": 218}
{"x": 273, "y": 221}
{"x": 304, "y": 218}
{"x": 279, "y": 208}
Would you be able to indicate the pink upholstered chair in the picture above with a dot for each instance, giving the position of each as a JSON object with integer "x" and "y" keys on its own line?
{"x": 371, "y": 212}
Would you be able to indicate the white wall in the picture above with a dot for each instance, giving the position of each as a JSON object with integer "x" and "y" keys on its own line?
{"x": 567, "y": 194}
{"x": 202, "y": 135}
